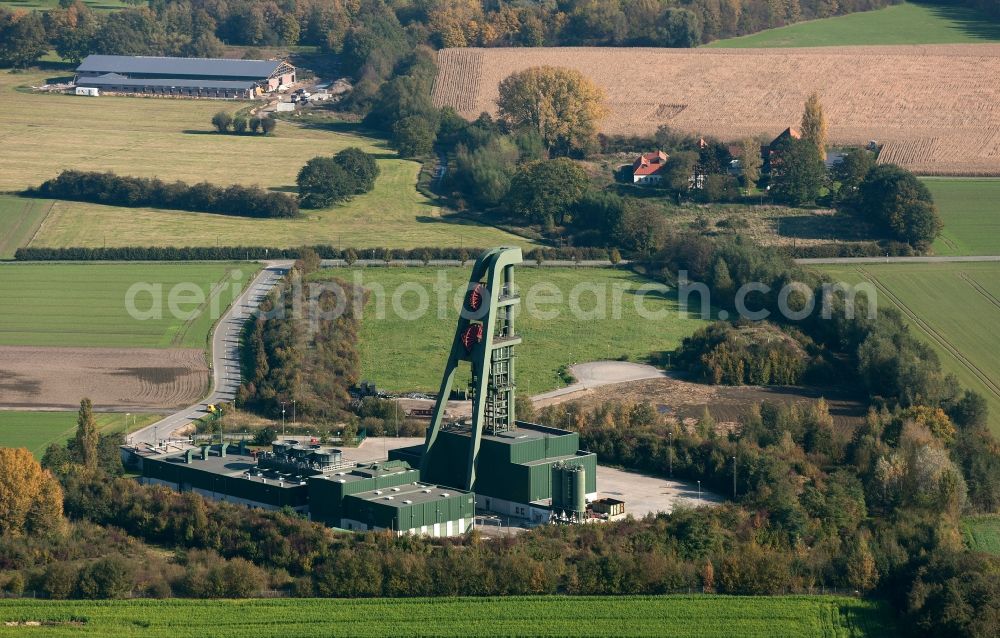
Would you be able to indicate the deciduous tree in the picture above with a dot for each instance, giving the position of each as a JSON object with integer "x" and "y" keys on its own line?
{"x": 222, "y": 121}
{"x": 87, "y": 437}
{"x": 563, "y": 105}
{"x": 814, "y": 124}
{"x": 543, "y": 192}
{"x": 750, "y": 162}
{"x": 323, "y": 182}
{"x": 30, "y": 497}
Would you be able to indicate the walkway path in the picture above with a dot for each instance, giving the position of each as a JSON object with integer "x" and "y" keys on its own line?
{"x": 597, "y": 373}
{"x": 225, "y": 356}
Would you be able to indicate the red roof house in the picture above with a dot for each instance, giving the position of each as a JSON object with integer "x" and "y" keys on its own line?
{"x": 648, "y": 168}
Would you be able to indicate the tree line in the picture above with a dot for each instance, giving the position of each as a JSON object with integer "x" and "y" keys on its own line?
{"x": 239, "y": 123}
{"x": 872, "y": 508}
{"x": 357, "y": 29}
{"x": 349, "y": 255}
{"x": 309, "y": 357}
{"x": 122, "y": 190}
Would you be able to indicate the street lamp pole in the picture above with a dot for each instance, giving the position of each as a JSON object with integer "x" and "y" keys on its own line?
{"x": 293, "y": 411}
{"x": 699, "y": 492}
{"x": 670, "y": 452}
{"x": 282, "y": 419}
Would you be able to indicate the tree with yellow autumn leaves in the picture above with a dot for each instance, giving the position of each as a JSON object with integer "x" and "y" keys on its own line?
{"x": 562, "y": 105}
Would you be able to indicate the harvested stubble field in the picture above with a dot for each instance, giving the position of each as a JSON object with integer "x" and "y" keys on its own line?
{"x": 120, "y": 378}
{"x": 677, "y": 616}
{"x": 936, "y": 109}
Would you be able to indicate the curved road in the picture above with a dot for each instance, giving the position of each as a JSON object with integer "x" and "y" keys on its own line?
{"x": 225, "y": 356}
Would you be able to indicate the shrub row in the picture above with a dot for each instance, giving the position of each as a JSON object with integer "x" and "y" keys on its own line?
{"x": 853, "y": 249}
{"x": 228, "y": 253}
{"x": 119, "y": 190}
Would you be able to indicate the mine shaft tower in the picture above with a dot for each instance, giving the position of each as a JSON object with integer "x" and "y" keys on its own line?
{"x": 485, "y": 338}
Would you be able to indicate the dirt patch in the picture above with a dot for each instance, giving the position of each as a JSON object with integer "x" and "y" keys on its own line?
{"x": 125, "y": 378}
{"x": 726, "y": 404}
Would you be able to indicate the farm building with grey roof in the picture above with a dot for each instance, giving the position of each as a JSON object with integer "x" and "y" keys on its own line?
{"x": 193, "y": 77}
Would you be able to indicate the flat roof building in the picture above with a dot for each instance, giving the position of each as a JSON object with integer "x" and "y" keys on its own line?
{"x": 389, "y": 496}
{"x": 313, "y": 480}
{"x": 193, "y": 77}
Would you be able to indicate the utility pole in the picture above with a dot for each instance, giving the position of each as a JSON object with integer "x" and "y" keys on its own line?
{"x": 734, "y": 477}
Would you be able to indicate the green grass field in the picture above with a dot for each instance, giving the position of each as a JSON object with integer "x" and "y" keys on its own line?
{"x": 19, "y": 220}
{"x": 404, "y": 355}
{"x": 906, "y": 23}
{"x": 171, "y": 139}
{"x": 61, "y": 304}
{"x": 676, "y": 616}
{"x": 955, "y": 307}
{"x": 982, "y": 533}
{"x": 36, "y": 430}
{"x": 969, "y": 210}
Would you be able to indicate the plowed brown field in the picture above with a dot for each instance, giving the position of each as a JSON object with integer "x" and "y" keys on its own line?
{"x": 120, "y": 378}
{"x": 936, "y": 108}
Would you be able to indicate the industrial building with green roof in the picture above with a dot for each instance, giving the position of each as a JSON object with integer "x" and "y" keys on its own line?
{"x": 516, "y": 473}
{"x": 313, "y": 480}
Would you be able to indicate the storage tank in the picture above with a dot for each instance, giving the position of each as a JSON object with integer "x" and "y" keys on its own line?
{"x": 577, "y": 476}
{"x": 301, "y": 451}
{"x": 326, "y": 458}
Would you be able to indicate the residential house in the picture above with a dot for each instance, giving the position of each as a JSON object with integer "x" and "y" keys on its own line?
{"x": 648, "y": 168}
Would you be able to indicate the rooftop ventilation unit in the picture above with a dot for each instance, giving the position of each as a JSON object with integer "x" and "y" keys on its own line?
{"x": 395, "y": 489}
{"x": 408, "y": 502}
{"x": 388, "y": 498}
{"x": 445, "y": 494}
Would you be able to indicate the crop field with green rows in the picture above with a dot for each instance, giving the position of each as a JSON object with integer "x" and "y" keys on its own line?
{"x": 80, "y": 304}
{"x": 678, "y": 616}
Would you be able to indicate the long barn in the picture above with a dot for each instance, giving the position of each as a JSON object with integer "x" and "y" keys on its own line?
{"x": 190, "y": 77}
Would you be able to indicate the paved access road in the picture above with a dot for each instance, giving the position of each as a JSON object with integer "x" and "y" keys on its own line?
{"x": 594, "y": 374}
{"x": 225, "y": 355}
{"x": 897, "y": 260}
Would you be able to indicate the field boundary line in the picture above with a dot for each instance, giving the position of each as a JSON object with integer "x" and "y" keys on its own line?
{"x": 215, "y": 292}
{"x": 41, "y": 222}
{"x": 930, "y": 331}
{"x": 978, "y": 288}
